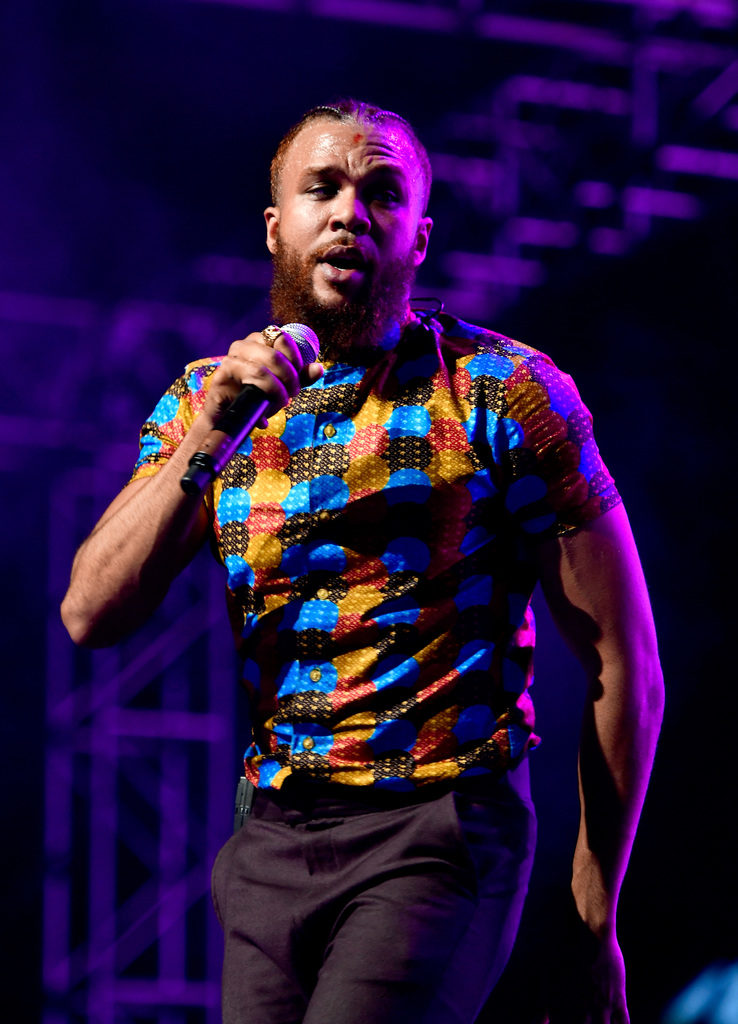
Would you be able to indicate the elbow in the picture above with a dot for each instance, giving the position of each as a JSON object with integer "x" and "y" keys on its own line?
{"x": 647, "y": 689}
{"x": 85, "y": 629}
{"x": 95, "y": 618}
{"x": 643, "y": 667}
{"x": 74, "y": 623}
{"x": 631, "y": 679}
{"x": 652, "y": 676}
{"x": 655, "y": 693}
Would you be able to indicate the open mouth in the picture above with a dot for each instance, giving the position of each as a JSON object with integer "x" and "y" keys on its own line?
{"x": 344, "y": 257}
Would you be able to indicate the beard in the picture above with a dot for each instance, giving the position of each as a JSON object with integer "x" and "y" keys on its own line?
{"x": 356, "y": 327}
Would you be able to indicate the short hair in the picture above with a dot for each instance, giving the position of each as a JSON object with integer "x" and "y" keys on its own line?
{"x": 347, "y": 110}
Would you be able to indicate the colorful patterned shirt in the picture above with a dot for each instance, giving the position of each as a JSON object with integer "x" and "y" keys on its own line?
{"x": 379, "y": 539}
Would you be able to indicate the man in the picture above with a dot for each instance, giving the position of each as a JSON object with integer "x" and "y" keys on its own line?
{"x": 383, "y": 529}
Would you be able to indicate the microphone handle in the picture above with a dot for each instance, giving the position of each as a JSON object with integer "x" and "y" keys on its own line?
{"x": 235, "y": 424}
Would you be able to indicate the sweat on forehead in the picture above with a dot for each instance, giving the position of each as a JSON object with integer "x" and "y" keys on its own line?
{"x": 364, "y": 116}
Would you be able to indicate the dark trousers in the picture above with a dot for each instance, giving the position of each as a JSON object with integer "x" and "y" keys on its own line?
{"x": 340, "y": 908}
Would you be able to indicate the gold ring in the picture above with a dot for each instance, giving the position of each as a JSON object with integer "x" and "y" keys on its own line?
{"x": 270, "y": 334}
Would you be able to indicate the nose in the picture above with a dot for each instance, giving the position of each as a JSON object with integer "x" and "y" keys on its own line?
{"x": 350, "y": 213}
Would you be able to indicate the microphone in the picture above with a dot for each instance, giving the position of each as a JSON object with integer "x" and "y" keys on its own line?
{"x": 239, "y": 419}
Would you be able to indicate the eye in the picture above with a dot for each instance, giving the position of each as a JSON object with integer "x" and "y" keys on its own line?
{"x": 386, "y": 195}
{"x": 322, "y": 190}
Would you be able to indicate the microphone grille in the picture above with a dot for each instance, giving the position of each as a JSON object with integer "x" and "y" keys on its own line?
{"x": 306, "y": 340}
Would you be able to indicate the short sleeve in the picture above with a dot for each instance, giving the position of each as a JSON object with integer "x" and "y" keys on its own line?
{"x": 172, "y": 417}
{"x": 556, "y": 479}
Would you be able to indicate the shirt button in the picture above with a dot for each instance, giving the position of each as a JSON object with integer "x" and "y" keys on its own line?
{"x": 308, "y": 743}
{"x": 329, "y": 430}
{"x": 321, "y": 594}
{"x": 315, "y": 675}
{"x": 324, "y": 515}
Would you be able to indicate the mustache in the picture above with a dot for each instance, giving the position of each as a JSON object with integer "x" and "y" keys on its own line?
{"x": 342, "y": 240}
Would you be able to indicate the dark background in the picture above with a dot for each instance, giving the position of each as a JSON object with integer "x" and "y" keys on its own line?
{"x": 134, "y": 146}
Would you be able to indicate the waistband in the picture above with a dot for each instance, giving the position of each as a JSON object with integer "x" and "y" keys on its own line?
{"x": 314, "y": 798}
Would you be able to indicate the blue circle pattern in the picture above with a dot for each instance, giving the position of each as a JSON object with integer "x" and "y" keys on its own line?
{"x": 298, "y": 560}
{"x": 406, "y": 554}
{"x": 313, "y": 665}
{"x": 234, "y": 505}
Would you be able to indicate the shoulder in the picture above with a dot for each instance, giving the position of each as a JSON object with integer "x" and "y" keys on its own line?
{"x": 185, "y": 395}
{"x": 480, "y": 341}
{"x": 484, "y": 353}
{"x": 197, "y": 374}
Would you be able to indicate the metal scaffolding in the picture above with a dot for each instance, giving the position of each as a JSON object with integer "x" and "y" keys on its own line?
{"x": 140, "y": 750}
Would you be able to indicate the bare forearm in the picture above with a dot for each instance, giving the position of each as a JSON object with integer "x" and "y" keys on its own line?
{"x": 594, "y": 584}
{"x": 619, "y": 732}
{"x": 595, "y": 587}
{"x": 125, "y": 567}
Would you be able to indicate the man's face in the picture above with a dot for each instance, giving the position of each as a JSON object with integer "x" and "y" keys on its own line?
{"x": 349, "y": 223}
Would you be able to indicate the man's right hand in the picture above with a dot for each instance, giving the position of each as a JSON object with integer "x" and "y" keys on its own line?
{"x": 277, "y": 371}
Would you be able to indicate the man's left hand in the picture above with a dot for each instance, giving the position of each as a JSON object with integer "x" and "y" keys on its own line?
{"x": 589, "y": 987}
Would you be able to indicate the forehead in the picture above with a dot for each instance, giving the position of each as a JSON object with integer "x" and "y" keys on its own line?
{"x": 354, "y": 147}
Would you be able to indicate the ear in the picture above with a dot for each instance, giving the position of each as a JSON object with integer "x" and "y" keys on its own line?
{"x": 271, "y": 216}
{"x": 421, "y": 239}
